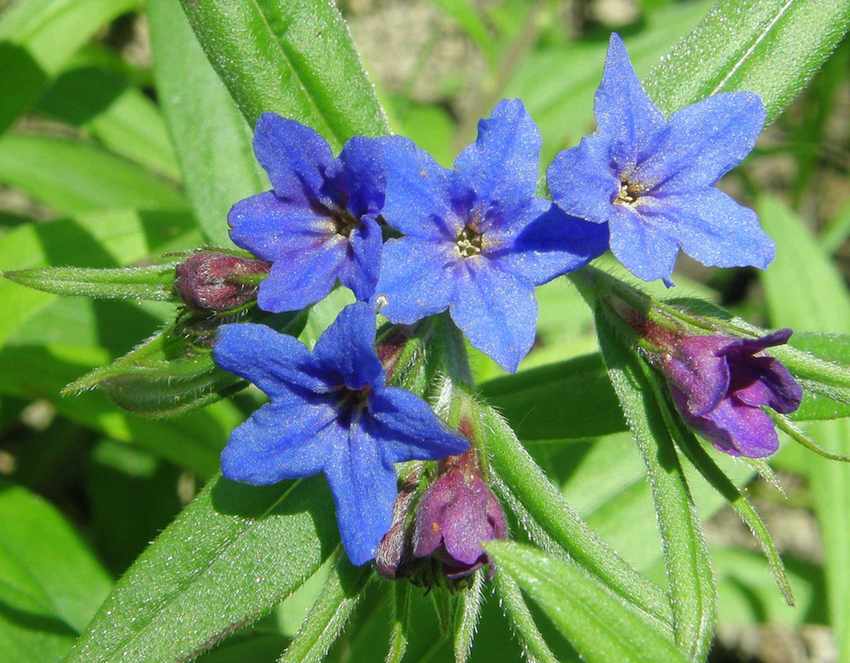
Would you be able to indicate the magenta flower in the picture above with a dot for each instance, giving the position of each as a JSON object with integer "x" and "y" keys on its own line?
{"x": 456, "y": 515}
{"x": 720, "y": 385}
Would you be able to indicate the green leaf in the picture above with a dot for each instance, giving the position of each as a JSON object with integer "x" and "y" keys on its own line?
{"x": 770, "y": 47}
{"x": 400, "y": 596}
{"x": 598, "y": 623}
{"x": 466, "y": 15}
{"x": 550, "y": 511}
{"x": 101, "y": 239}
{"x": 293, "y": 58}
{"x": 521, "y": 620}
{"x": 214, "y": 148}
{"x": 164, "y": 376}
{"x": 569, "y": 399}
{"x": 151, "y": 282}
{"x": 37, "y": 37}
{"x": 51, "y": 582}
{"x": 81, "y": 177}
{"x": 105, "y": 103}
{"x": 229, "y": 557}
{"x": 329, "y": 616}
{"x": 467, "y": 614}
{"x": 688, "y": 568}
{"x": 804, "y": 291}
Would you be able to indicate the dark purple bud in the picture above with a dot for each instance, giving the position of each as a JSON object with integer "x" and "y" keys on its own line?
{"x": 213, "y": 281}
{"x": 456, "y": 515}
{"x": 720, "y": 384}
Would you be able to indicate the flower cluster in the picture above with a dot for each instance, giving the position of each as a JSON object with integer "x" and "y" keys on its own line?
{"x": 412, "y": 239}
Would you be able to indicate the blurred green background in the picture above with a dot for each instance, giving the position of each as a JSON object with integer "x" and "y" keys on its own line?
{"x": 89, "y": 176}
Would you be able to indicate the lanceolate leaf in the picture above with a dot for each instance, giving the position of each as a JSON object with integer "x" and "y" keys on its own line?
{"x": 597, "y": 622}
{"x": 560, "y": 522}
{"x": 151, "y": 283}
{"x": 804, "y": 291}
{"x": 293, "y": 58}
{"x": 467, "y": 614}
{"x": 37, "y": 37}
{"x": 51, "y": 582}
{"x": 81, "y": 177}
{"x": 328, "y": 617}
{"x": 771, "y": 47}
{"x": 521, "y": 620}
{"x": 692, "y": 592}
{"x": 211, "y": 137}
{"x": 229, "y": 557}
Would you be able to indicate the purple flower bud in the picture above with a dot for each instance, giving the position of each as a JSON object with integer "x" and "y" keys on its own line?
{"x": 213, "y": 281}
{"x": 392, "y": 558}
{"x": 456, "y": 515}
{"x": 720, "y": 384}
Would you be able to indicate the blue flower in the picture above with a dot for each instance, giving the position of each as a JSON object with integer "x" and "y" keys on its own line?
{"x": 651, "y": 179}
{"x": 329, "y": 412}
{"x": 318, "y": 224}
{"x": 476, "y": 239}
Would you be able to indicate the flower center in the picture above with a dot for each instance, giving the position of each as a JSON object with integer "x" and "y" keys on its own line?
{"x": 353, "y": 401}
{"x": 469, "y": 241}
{"x": 629, "y": 193}
{"x": 343, "y": 221}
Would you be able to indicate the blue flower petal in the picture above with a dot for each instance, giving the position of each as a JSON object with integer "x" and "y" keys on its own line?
{"x": 274, "y": 229}
{"x": 346, "y": 350}
{"x": 496, "y": 310}
{"x": 275, "y": 362}
{"x": 702, "y": 143}
{"x": 360, "y": 270}
{"x": 300, "y": 279}
{"x": 553, "y": 244}
{"x": 582, "y": 182}
{"x": 416, "y": 280}
{"x": 418, "y": 196}
{"x": 364, "y": 489}
{"x": 646, "y": 251}
{"x": 712, "y": 228}
{"x": 358, "y": 179}
{"x": 294, "y": 156}
{"x": 624, "y": 113}
{"x": 501, "y": 165}
{"x": 408, "y": 429}
{"x": 285, "y": 439}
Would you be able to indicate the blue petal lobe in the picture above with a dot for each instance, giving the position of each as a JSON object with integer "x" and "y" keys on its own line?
{"x": 364, "y": 489}
{"x": 408, "y": 428}
{"x": 582, "y": 182}
{"x": 624, "y": 113}
{"x": 418, "y": 199}
{"x": 359, "y": 178}
{"x": 275, "y": 362}
{"x": 702, "y": 143}
{"x": 501, "y": 165}
{"x": 496, "y": 310}
{"x": 712, "y": 228}
{"x": 646, "y": 251}
{"x": 416, "y": 280}
{"x": 360, "y": 269}
{"x": 553, "y": 244}
{"x": 301, "y": 279}
{"x": 271, "y": 228}
{"x": 294, "y": 156}
{"x": 346, "y": 350}
{"x": 285, "y": 439}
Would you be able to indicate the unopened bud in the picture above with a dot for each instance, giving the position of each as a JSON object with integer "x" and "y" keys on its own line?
{"x": 214, "y": 281}
{"x": 457, "y": 514}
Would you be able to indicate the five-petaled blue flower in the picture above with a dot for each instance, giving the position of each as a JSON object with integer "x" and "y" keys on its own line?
{"x": 477, "y": 239}
{"x": 651, "y": 179}
{"x": 318, "y": 224}
{"x": 330, "y": 412}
